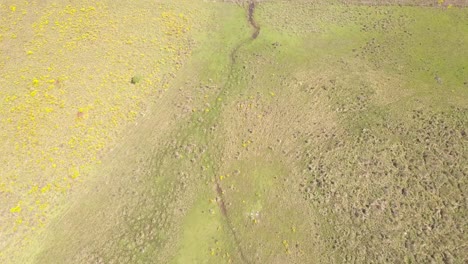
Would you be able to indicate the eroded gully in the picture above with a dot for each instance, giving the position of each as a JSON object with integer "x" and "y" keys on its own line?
{"x": 220, "y": 193}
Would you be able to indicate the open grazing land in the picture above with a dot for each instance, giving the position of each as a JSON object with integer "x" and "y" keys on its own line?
{"x": 270, "y": 132}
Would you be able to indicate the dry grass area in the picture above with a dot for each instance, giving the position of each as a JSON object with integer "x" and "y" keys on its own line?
{"x": 424, "y": 3}
{"x": 433, "y": 3}
{"x": 66, "y": 95}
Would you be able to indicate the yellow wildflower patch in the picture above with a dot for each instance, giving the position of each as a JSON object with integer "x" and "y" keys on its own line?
{"x": 16, "y": 209}
{"x": 74, "y": 173}
{"x": 35, "y": 82}
{"x": 46, "y": 188}
{"x": 43, "y": 121}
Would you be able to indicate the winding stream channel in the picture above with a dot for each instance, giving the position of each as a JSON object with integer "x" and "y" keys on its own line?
{"x": 220, "y": 194}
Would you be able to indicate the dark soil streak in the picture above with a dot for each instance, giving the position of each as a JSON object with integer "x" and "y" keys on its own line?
{"x": 221, "y": 203}
{"x": 252, "y": 21}
{"x": 219, "y": 190}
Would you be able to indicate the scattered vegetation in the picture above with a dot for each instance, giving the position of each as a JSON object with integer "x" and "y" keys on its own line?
{"x": 62, "y": 104}
{"x": 337, "y": 135}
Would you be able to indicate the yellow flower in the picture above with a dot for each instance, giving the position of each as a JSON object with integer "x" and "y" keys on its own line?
{"x": 74, "y": 173}
{"x": 45, "y": 188}
{"x": 16, "y": 209}
{"x": 48, "y": 110}
{"x": 33, "y": 189}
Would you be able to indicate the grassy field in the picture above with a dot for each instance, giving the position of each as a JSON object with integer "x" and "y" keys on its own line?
{"x": 164, "y": 132}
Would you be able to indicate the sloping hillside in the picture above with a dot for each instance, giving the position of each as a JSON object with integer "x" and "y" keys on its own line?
{"x": 233, "y": 132}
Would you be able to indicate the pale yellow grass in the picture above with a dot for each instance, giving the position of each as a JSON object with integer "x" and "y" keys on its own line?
{"x": 65, "y": 95}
